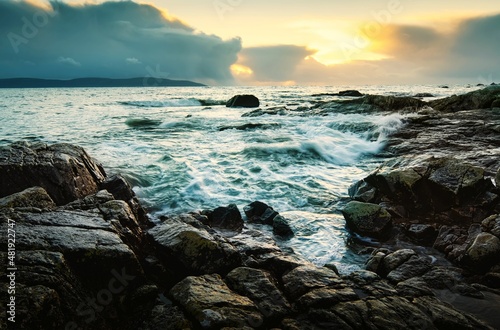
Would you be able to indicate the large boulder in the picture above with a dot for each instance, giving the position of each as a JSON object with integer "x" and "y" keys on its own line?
{"x": 228, "y": 217}
{"x": 193, "y": 250}
{"x": 367, "y": 219}
{"x": 306, "y": 278}
{"x": 213, "y": 305}
{"x": 261, "y": 288}
{"x": 481, "y": 99}
{"x": 65, "y": 171}
{"x": 243, "y": 101}
{"x": 483, "y": 253}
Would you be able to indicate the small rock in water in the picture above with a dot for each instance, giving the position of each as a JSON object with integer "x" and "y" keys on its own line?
{"x": 244, "y": 101}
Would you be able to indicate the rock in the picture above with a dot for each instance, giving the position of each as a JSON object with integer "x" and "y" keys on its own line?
{"x": 424, "y": 95}
{"x": 373, "y": 264}
{"x": 422, "y": 233}
{"x": 213, "y": 305}
{"x": 491, "y": 225}
{"x": 35, "y": 197}
{"x": 225, "y": 218}
{"x": 166, "y": 318}
{"x": 275, "y": 111}
{"x": 480, "y": 99}
{"x": 281, "y": 227}
{"x": 194, "y": 250}
{"x": 483, "y": 253}
{"x": 414, "y": 287}
{"x": 245, "y": 101}
{"x": 367, "y": 219}
{"x": 326, "y": 296}
{"x": 415, "y": 266}
{"x": 390, "y": 103}
{"x": 260, "y": 212}
{"x": 305, "y": 278}
{"x": 497, "y": 179}
{"x": 65, "y": 171}
{"x": 350, "y": 92}
{"x": 395, "y": 259}
{"x": 362, "y": 191}
{"x": 250, "y": 126}
{"x": 261, "y": 288}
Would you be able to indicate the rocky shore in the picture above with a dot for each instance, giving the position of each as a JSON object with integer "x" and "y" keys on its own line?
{"x": 88, "y": 257}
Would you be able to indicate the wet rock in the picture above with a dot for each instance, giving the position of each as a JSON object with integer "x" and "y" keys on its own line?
{"x": 213, "y": 305}
{"x": 65, "y": 171}
{"x": 228, "y": 217}
{"x": 424, "y": 95}
{"x": 275, "y": 111}
{"x": 480, "y": 99}
{"x": 325, "y": 297}
{"x": 374, "y": 263}
{"x": 367, "y": 219}
{"x": 305, "y": 278}
{"x": 35, "y": 197}
{"x": 281, "y": 227}
{"x": 260, "y": 212}
{"x": 362, "y": 191}
{"x": 194, "y": 250}
{"x": 483, "y": 253}
{"x": 497, "y": 179}
{"x": 250, "y": 126}
{"x": 279, "y": 263}
{"x": 244, "y": 101}
{"x": 350, "y": 92}
{"x": 261, "y": 288}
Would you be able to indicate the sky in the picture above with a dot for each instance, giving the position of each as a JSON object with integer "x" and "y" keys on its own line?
{"x": 243, "y": 42}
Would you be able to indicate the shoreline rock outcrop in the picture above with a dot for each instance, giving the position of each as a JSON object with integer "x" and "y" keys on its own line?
{"x": 93, "y": 263}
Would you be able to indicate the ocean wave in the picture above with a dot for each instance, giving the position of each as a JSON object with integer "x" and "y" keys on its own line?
{"x": 170, "y": 103}
{"x": 142, "y": 122}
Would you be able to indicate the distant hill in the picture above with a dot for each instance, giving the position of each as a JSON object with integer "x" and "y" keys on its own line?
{"x": 95, "y": 82}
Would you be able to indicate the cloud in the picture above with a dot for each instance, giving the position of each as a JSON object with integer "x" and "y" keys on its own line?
{"x": 96, "y": 38}
{"x": 68, "y": 60}
{"x": 274, "y": 63}
{"x": 409, "y": 54}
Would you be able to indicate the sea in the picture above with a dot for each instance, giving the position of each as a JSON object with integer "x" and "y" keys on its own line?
{"x": 181, "y": 150}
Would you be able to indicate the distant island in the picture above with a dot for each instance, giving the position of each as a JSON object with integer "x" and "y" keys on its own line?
{"x": 95, "y": 82}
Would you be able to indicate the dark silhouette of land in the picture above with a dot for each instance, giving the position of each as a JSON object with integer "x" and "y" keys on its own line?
{"x": 95, "y": 82}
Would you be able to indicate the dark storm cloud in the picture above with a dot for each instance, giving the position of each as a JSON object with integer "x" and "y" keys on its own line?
{"x": 112, "y": 39}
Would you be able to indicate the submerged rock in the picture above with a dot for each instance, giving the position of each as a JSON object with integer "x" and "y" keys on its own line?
{"x": 244, "y": 101}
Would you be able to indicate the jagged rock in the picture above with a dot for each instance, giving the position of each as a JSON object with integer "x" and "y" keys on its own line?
{"x": 281, "y": 227}
{"x": 250, "y": 126}
{"x": 491, "y": 225}
{"x": 260, "y": 212}
{"x": 497, "y": 179}
{"x": 367, "y": 219}
{"x": 480, "y": 99}
{"x": 35, "y": 197}
{"x": 326, "y": 296}
{"x": 422, "y": 233}
{"x": 65, "y": 171}
{"x": 166, "y": 318}
{"x": 414, "y": 287}
{"x": 194, "y": 249}
{"x": 225, "y": 218}
{"x": 395, "y": 259}
{"x": 261, "y": 288}
{"x": 214, "y": 306}
{"x": 483, "y": 253}
{"x": 305, "y": 278}
{"x": 275, "y": 111}
{"x": 244, "y": 101}
{"x": 415, "y": 266}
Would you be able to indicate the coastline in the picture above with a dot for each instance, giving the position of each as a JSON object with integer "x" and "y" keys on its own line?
{"x": 187, "y": 271}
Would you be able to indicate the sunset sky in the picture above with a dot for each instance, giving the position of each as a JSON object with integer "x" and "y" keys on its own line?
{"x": 256, "y": 42}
